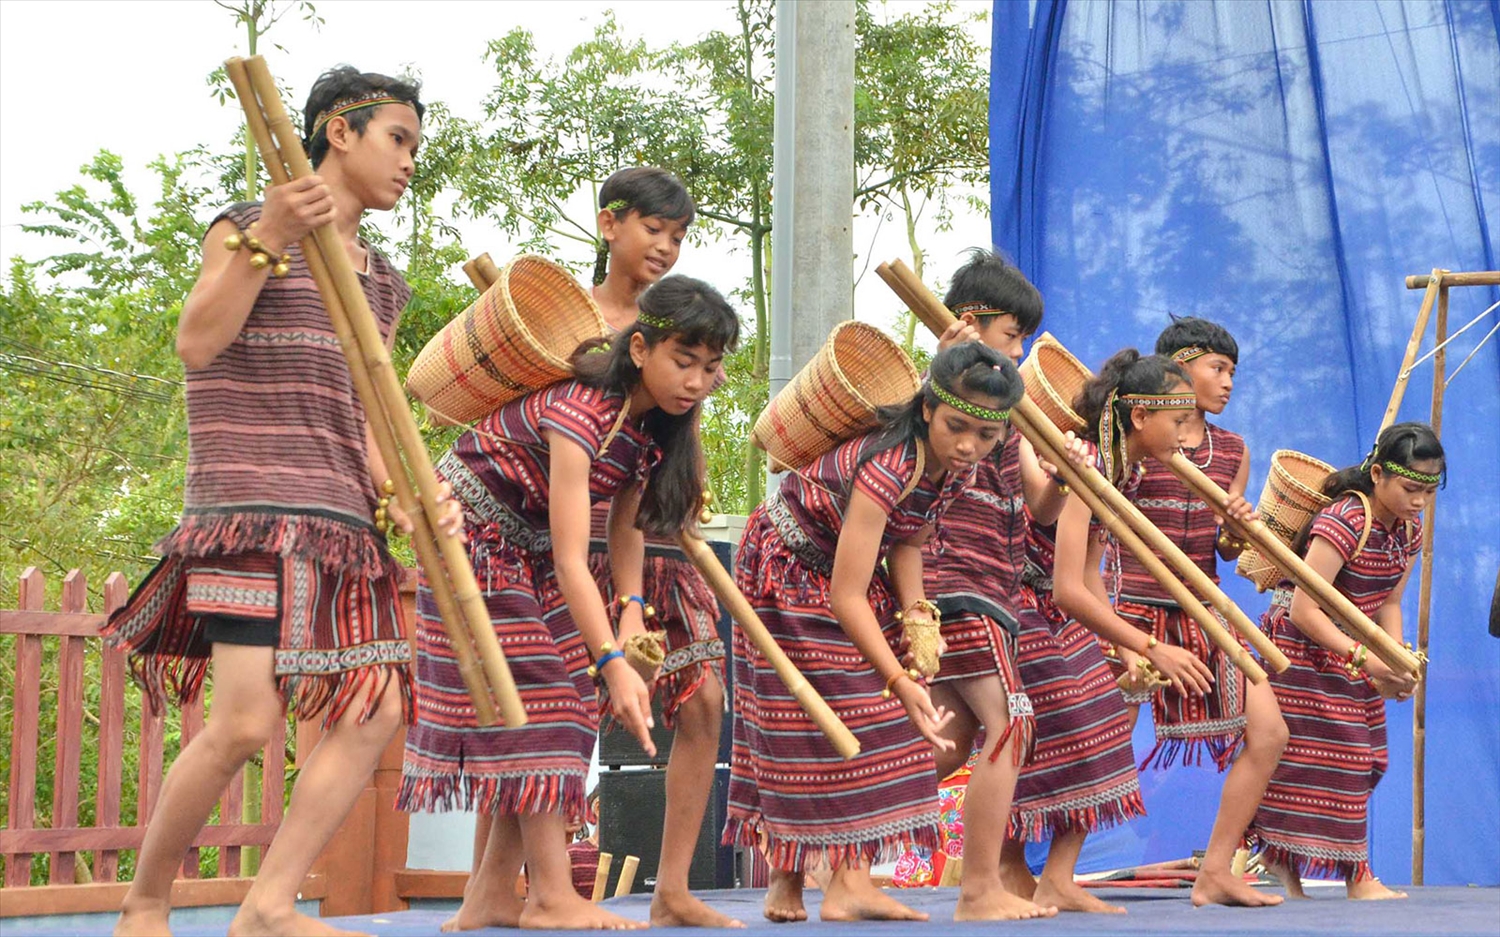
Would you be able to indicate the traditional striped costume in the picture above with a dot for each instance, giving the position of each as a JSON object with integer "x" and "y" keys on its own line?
{"x": 1190, "y": 725}
{"x": 973, "y": 572}
{"x": 790, "y": 792}
{"x": 1313, "y": 817}
{"x": 1081, "y": 776}
{"x": 276, "y": 537}
{"x": 500, "y": 472}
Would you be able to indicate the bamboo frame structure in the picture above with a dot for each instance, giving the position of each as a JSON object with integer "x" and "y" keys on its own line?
{"x": 452, "y": 578}
{"x": 1435, "y": 285}
{"x": 740, "y": 609}
{"x": 1123, "y": 519}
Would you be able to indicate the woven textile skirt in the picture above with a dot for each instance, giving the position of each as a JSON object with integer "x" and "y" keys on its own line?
{"x": 1189, "y": 726}
{"x": 1314, "y": 817}
{"x": 1082, "y": 773}
{"x": 454, "y": 764}
{"x": 790, "y": 793}
{"x": 978, "y": 646}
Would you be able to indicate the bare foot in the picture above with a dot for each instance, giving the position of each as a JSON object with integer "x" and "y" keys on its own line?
{"x": 1224, "y": 887}
{"x": 143, "y": 919}
{"x": 285, "y": 922}
{"x": 683, "y": 909}
{"x": 572, "y": 911}
{"x": 1290, "y": 880}
{"x": 784, "y": 898}
{"x": 989, "y": 901}
{"x": 1371, "y": 889}
{"x": 1017, "y": 879}
{"x": 1070, "y": 896}
{"x": 851, "y": 896}
{"x": 486, "y": 906}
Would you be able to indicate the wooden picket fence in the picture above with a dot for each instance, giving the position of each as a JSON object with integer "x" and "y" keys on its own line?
{"x": 75, "y": 633}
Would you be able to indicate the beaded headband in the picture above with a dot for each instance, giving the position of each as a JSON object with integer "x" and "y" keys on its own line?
{"x": 656, "y": 322}
{"x": 617, "y": 204}
{"x": 977, "y": 308}
{"x": 972, "y": 409}
{"x": 1184, "y": 355}
{"x": 1413, "y": 474}
{"x": 1108, "y": 431}
{"x": 1162, "y": 401}
{"x": 340, "y": 108}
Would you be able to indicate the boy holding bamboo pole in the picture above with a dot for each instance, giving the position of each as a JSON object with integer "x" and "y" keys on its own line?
{"x": 278, "y": 571}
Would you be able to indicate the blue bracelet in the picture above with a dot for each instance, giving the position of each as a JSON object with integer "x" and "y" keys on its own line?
{"x": 647, "y": 610}
{"x": 597, "y": 666}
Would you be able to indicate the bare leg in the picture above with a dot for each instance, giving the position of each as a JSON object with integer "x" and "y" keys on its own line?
{"x": 784, "y": 898}
{"x": 690, "y": 778}
{"x": 552, "y": 903}
{"x": 982, "y": 895}
{"x": 1290, "y": 880}
{"x": 852, "y": 896}
{"x": 1056, "y": 887}
{"x": 961, "y": 731}
{"x": 335, "y": 774}
{"x": 490, "y": 898}
{"x": 1015, "y": 874}
{"x": 246, "y": 710}
{"x": 1244, "y": 786}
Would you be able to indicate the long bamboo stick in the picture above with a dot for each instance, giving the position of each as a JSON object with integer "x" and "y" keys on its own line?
{"x": 744, "y": 615}
{"x": 1478, "y": 278}
{"x": 718, "y": 578}
{"x": 1388, "y": 649}
{"x": 938, "y": 317}
{"x": 1424, "y": 615}
{"x": 388, "y": 387}
{"x": 1412, "y": 344}
{"x": 472, "y": 273}
{"x": 423, "y": 539}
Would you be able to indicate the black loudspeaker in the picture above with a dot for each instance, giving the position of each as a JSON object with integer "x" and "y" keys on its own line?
{"x": 631, "y": 807}
{"x": 618, "y": 748}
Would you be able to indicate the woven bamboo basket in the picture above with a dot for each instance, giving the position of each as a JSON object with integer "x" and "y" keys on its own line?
{"x": 1053, "y": 379}
{"x": 835, "y": 396}
{"x": 517, "y": 337}
{"x": 1291, "y": 496}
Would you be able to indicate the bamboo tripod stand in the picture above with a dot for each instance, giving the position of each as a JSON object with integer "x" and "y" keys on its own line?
{"x": 1436, "y": 285}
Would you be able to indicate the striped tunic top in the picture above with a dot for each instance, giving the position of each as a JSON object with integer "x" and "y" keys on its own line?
{"x": 1367, "y": 577}
{"x": 276, "y": 434}
{"x": 818, "y": 496}
{"x": 984, "y": 547}
{"x": 1178, "y": 512}
{"x": 504, "y": 460}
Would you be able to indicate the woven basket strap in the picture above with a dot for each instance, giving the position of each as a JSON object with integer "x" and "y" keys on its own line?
{"x": 916, "y": 477}
{"x": 1364, "y": 534}
{"x": 619, "y": 424}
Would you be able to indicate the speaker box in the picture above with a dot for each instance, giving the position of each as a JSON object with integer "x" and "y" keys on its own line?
{"x": 631, "y": 806}
{"x": 618, "y": 748}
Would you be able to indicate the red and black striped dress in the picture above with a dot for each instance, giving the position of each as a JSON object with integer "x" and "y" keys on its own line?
{"x": 790, "y": 792}
{"x": 973, "y": 572}
{"x": 1186, "y": 726}
{"x": 1313, "y": 817}
{"x": 500, "y": 472}
{"x": 1081, "y": 776}
{"x": 277, "y": 534}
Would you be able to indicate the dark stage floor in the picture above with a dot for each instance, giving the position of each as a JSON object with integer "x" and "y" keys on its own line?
{"x": 1429, "y": 911}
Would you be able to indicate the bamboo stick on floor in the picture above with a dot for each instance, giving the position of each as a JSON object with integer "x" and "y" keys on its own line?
{"x": 627, "y": 876}
{"x": 601, "y": 876}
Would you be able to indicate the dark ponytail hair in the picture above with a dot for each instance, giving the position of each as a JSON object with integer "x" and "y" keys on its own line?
{"x": 1405, "y": 444}
{"x": 650, "y": 192}
{"x": 699, "y": 316}
{"x": 970, "y": 369}
{"x": 1126, "y": 372}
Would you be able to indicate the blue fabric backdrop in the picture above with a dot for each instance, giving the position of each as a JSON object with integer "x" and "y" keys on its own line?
{"x": 1280, "y": 167}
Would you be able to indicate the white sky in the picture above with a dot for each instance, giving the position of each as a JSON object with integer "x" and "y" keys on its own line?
{"x": 80, "y": 75}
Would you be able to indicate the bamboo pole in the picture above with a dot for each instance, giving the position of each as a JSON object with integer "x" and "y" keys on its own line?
{"x": 1424, "y": 617}
{"x": 1434, "y": 281}
{"x": 1479, "y": 278}
{"x": 388, "y": 397}
{"x": 627, "y": 876}
{"x": 486, "y": 268}
{"x": 937, "y": 317}
{"x": 1388, "y": 649}
{"x": 601, "y": 876}
{"x": 472, "y": 273}
{"x": 422, "y": 534}
{"x": 744, "y": 615}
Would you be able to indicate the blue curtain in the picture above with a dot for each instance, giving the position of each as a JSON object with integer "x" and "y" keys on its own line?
{"x": 1280, "y": 167}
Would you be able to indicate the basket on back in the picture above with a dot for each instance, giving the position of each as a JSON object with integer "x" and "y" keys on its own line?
{"x": 516, "y": 338}
{"x": 1292, "y": 496}
{"x": 835, "y": 396}
{"x": 1053, "y": 379}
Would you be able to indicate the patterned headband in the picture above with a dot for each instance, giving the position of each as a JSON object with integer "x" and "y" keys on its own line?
{"x": 972, "y": 409}
{"x": 340, "y": 108}
{"x": 977, "y": 308}
{"x": 1413, "y": 474}
{"x": 1184, "y": 355}
{"x": 1111, "y": 436}
{"x": 656, "y": 322}
{"x": 1162, "y": 401}
{"x": 616, "y": 205}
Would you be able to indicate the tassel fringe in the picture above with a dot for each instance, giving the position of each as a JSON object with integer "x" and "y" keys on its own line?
{"x": 1036, "y": 826}
{"x": 337, "y": 546}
